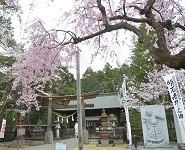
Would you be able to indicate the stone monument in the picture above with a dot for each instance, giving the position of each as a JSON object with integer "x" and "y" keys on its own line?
{"x": 154, "y": 126}
{"x": 105, "y": 140}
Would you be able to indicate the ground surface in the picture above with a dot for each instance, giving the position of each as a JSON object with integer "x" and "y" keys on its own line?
{"x": 72, "y": 144}
{"x": 94, "y": 147}
{"x": 85, "y": 147}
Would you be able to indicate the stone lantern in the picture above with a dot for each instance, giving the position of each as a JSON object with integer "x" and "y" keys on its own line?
{"x": 57, "y": 127}
{"x": 104, "y": 123}
{"x": 112, "y": 120}
{"x": 105, "y": 140}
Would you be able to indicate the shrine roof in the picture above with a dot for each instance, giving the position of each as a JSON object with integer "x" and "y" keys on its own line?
{"x": 103, "y": 100}
{"x": 66, "y": 97}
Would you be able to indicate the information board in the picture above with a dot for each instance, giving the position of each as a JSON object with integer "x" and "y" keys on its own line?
{"x": 60, "y": 146}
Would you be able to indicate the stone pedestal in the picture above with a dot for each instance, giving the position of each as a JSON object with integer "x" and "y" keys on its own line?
{"x": 19, "y": 142}
{"x": 57, "y": 133}
{"x": 181, "y": 146}
{"x": 85, "y": 137}
{"x": 48, "y": 137}
{"x": 105, "y": 143}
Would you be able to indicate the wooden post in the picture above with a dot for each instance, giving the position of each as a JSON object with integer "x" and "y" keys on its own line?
{"x": 79, "y": 109}
{"x": 84, "y": 131}
{"x": 83, "y": 115}
{"x": 49, "y": 126}
{"x": 49, "y": 133}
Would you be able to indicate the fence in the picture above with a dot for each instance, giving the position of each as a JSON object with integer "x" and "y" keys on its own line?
{"x": 68, "y": 133}
{"x": 10, "y": 136}
{"x": 117, "y": 133}
{"x": 120, "y": 133}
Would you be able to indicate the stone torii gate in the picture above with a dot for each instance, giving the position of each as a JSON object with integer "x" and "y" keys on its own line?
{"x": 51, "y": 100}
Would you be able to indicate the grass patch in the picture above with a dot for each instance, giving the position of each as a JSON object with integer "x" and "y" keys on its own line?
{"x": 7, "y": 148}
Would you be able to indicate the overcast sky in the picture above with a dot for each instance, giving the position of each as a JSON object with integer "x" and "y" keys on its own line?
{"x": 49, "y": 12}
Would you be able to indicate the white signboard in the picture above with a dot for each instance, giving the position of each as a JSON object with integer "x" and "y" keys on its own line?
{"x": 129, "y": 135}
{"x": 60, "y": 146}
{"x": 176, "y": 99}
{"x": 123, "y": 103}
{"x": 3, "y": 127}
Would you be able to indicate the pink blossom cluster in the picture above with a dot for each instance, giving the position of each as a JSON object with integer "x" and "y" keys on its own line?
{"x": 12, "y": 2}
{"x": 38, "y": 65}
{"x": 155, "y": 87}
{"x": 85, "y": 20}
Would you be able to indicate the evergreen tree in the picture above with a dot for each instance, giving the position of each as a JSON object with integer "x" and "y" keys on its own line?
{"x": 105, "y": 81}
{"x": 141, "y": 60}
{"x": 90, "y": 81}
{"x": 65, "y": 84}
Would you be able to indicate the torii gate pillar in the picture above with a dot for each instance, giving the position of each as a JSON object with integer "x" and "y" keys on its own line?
{"x": 49, "y": 133}
{"x": 84, "y": 131}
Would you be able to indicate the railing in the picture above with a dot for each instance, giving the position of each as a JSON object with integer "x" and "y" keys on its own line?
{"x": 68, "y": 133}
{"x": 115, "y": 133}
{"x": 36, "y": 135}
{"x": 120, "y": 133}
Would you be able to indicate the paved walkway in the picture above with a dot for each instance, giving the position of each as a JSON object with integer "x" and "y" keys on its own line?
{"x": 70, "y": 143}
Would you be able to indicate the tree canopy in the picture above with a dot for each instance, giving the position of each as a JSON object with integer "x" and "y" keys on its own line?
{"x": 7, "y": 45}
{"x": 104, "y": 81}
{"x": 95, "y": 22}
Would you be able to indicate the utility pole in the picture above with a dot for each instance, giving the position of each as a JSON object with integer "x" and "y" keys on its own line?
{"x": 79, "y": 107}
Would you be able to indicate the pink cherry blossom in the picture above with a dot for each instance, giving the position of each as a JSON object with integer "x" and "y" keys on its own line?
{"x": 101, "y": 25}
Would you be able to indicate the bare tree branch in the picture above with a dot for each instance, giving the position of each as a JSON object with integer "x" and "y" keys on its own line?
{"x": 179, "y": 26}
{"x": 122, "y": 25}
{"x": 103, "y": 12}
{"x": 137, "y": 20}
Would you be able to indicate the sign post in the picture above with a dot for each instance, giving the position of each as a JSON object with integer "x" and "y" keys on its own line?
{"x": 3, "y": 127}
{"x": 176, "y": 99}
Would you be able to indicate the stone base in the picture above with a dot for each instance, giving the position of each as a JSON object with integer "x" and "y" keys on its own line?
{"x": 169, "y": 147}
{"x": 48, "y": 137}
{"x": 57, "y": 138}
{"x": 19, "y": 142}
{"x": 85, "y": 137}
{"x": 36, "y": 143}
{"x": 105, "y": 143}
{"x": 181, "y": 146}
